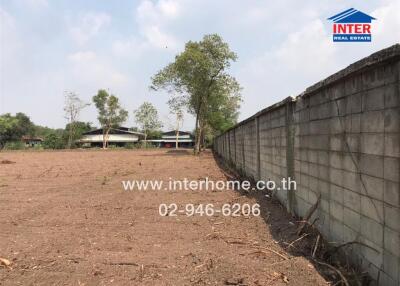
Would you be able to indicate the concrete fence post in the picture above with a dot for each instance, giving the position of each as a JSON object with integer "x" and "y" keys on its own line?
{"x": 290, "y": 154}
{"x": 243, "y": 149}
{"x": 257, "y": 123}
{"x": 234, "y": 144}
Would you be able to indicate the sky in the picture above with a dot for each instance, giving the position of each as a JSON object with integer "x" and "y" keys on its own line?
{"x": 49, "y": 47}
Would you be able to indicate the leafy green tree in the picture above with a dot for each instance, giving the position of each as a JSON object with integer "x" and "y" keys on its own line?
{"x": 72, "y": 109}
{"x": 154, "y": 134}
{"x": 79, "y": 128}
{"x": 146, "y": 117}
{"x": 222, "y": 111}
{"x": 111, "y": 114}
{"x": 53, "y": 141}
{"x": 200, "y": 74}
{"x": 12, "y": 128}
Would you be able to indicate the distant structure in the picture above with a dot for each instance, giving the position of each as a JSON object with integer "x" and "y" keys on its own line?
{"x": 31, "y": 141}
{"x": 119, "y": 136}
{"x": 168, "y": 140}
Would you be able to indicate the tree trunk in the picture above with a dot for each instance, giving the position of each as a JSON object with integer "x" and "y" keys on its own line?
{"x": 105, "y": 138}
{"x": 177, "y": 139}
{"x": 202, "y": 139}
{"x": 197, "y": 136}
{"x": 70, "y": 136}
{"x": 145, "y": 140}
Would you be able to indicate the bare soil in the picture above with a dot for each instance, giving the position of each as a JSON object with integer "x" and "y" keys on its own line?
{"x": 66, "y": 220}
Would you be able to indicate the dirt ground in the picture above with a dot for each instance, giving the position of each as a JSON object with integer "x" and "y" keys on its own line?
{"x": 66, "y": 220}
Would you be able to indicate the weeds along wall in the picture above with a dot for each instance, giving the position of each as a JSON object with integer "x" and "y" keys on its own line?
{"x": 339, "y": 140}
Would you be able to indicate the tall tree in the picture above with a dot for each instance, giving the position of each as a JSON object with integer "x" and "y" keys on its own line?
{"x": 111, "y": 114}
{"x": 146, "y": 117}
{"x": 199, "y": 73}
{"x": 72, "y": 108}
{"x": 176, "y": 105}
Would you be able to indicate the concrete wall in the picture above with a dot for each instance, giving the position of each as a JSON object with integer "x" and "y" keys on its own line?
{"x": 340, "y": 140}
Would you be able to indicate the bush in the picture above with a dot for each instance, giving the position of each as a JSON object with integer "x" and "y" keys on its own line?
{"x": 14, "y": 145}
{"x": 142, "y": 145}
{"x": 53, "y": 141}
{"x": 129, "y": 146}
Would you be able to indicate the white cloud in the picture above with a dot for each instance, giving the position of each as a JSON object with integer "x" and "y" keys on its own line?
{"x": 129, "y": 48}
{"x": 34, "y": 4}
{"x": 88, "y": 26}
{"x": 38, "y": 3}
{"x": 82, "y": 56}
{"x": 386, "y": 29}
{"x": 89, "y": 69}
{"x": 310, "y": 50}
{"x": 304, "y": 57}
{"x": 152, "y": 20}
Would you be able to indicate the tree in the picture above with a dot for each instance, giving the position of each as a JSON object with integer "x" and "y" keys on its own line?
{"x": 14, "y": 127}
{"x": 72, "y": 109}
{"x": 200, "y": 74}
{"x": 176, "y": 105}
{"x": 222, "y": 111}
{"x": 146, "y": 117}
{"x": 79, "y": 128}
{"x": 111, "y": 114}
{"x": 53, "y": 141}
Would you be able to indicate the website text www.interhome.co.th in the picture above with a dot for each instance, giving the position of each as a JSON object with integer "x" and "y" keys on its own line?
{"x": 207, "y": 184}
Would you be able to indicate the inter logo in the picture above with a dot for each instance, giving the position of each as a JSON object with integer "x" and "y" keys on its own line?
{"x": 351, "y": 26}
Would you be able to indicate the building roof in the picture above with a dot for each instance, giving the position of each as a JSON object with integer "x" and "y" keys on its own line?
{"x": 173, "y": 132}
{"x": 180, "y": 140}
{"x": 351, "y": 16}
{"x": 116, "y": 130}
{"x": 30, "y": 138}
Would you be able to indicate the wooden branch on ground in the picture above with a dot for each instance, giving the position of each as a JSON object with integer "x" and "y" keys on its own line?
{"x": 294, "y": 241}
{"x": 334, "y": 269}
{"x": 123, "y": 263}
{"x": 316, "y": 246}
{"x": 355, "y": 242}
{"x": 273, "y": 251}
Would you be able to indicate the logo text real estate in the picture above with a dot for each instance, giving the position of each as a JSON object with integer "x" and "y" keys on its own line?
{"x": 351, "y": 26}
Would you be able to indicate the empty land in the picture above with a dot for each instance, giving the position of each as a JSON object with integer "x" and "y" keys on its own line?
{"x": 66, "y": 220}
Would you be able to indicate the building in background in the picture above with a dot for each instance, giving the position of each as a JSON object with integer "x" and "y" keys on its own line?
{"x": 168, "y": 140}
{"x": 120, "y": 136}
{"x": 31, "y": 141}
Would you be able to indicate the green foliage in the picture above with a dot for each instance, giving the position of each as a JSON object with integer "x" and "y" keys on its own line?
{"x": 129, "y": 145}
{"x": 199, "y": 73}
{"x": 12, "y": 128}
{"x": 72, "y": 109}
{"x": 145, "y": 145}
{"x": 111, "y": 114}
{"x": 43, "y": 131}
{"x": 53, "y": 141}
{"x": 78, "y": 128}
{"x": 222, "y": 111}
{"x": 154, "y": 134}
{"x": 146, "y": 117}
{"x": 14, "y": 145}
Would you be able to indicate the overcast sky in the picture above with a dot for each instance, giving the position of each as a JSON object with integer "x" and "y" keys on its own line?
{"x": 47, "y": 47}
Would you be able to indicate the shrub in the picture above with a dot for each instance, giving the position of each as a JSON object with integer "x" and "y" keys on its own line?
{"x": 14, "y": 145}
{"x": 53, "y": 141}
{"x": 130, "y": 146}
